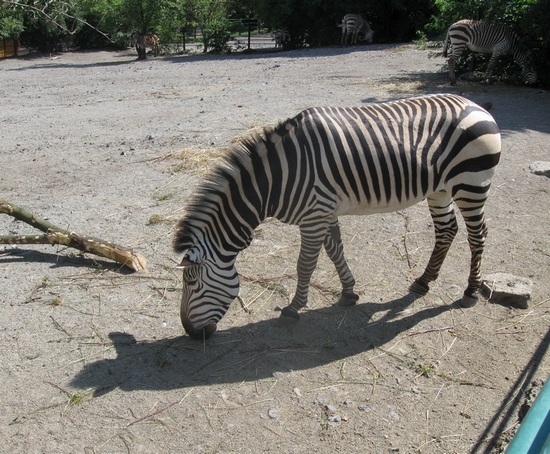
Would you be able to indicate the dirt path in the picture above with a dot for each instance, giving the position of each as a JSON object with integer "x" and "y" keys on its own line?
{"x": 92, "y": 358}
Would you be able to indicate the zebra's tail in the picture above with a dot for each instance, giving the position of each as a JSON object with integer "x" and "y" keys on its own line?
{"x": 445, "y": 44}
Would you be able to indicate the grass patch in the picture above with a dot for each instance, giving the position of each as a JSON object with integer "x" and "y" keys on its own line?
{"x": 157, "y": 219}
{"x": 78, "y": 398}
{"x": 163, "y": 197}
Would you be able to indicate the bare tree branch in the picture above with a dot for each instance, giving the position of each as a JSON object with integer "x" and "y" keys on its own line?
{"x": 56, "y": 235}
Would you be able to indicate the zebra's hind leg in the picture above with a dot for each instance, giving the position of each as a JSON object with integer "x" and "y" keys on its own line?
{"x": 492, "y": 62}
{"x": 474, "y": 218}
{"x": 312, "y": 238}
{"x": 445, "y": 226}
{"x": 335, "y": 250}
{"x": 451, "y": 63}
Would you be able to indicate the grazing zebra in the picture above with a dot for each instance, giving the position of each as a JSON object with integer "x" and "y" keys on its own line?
{"x": 142, "y": 42}
{"x": 328, "y": 162}
{"x": 487, "y": 37}
{"x": 354, "y": 26}
{"x": 281, "y": 37}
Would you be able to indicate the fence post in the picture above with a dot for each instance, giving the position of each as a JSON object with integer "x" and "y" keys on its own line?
{"x": 533, "y": 436}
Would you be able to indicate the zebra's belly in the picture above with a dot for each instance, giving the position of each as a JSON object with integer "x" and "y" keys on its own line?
{"x": 483, "y": 50}
{"x": 346, "y": 208}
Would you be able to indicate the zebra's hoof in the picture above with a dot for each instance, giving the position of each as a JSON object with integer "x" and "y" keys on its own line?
{"x": 288, "y": 316}
{"x": 469, "y": 301}
{"x": 347, "y": 299}
{"x": 418, "y": 289}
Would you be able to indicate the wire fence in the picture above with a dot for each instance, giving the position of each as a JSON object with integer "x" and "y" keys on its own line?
{"x": 236, "y": 44}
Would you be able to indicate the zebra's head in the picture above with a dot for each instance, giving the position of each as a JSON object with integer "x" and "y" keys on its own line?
{"x": 529, "y": 75}
{"x": 209, "y": 287}
{"x": 134, "y": 39}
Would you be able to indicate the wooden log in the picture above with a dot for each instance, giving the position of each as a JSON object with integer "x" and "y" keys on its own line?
{"x": 56, "y": 235}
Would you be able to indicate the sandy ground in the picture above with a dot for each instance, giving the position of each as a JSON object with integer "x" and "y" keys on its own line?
{"x": 93, "y": 358}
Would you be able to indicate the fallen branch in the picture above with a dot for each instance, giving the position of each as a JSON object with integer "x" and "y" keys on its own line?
{"x": 56, "y": 235}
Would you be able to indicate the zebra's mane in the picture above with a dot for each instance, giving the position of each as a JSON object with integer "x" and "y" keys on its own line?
{"x": 216, "y": 182}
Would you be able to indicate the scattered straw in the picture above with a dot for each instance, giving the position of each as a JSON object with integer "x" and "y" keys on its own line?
{"x": 415, "y": 333}
{"x": 150, "y": 415}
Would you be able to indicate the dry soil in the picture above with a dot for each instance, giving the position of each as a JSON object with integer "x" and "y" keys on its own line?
{"x": 93, "y": 358}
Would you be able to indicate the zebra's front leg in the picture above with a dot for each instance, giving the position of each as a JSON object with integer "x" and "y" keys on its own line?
{"x": 445, "y": 226}
{"x": 335, "y": 250}
{"x": 312, "y": 237}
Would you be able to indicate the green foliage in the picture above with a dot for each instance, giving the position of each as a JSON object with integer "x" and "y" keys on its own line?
{"x": 536, "y": 26}
{"x": 449, "y": 11}
{"x": 11, "y": 22}
{"x": 212, "y": 18}
{"x": 87, "y": 37}
{"x": 42, "y": 33}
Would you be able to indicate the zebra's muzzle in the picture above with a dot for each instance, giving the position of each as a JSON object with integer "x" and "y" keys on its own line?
{"x": 201, "y": 333}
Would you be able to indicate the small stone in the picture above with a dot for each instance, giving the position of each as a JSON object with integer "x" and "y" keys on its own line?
{"x": 540, "y": 168}
{"x": 330, "y": 408}
{"x": 507, "y": 289}
{"x": 273, "y": 413}
{"x": 335, "y": 418}
{"x": 393, "y": 416}
{"x": 365, "y": 408}
{"x": 297, "y": 392}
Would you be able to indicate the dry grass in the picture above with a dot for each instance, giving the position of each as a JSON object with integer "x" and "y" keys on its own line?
{"x": 199, "y": 160}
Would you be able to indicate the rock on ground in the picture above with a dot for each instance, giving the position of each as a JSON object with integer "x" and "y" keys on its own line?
{"x": 507, "y": 289}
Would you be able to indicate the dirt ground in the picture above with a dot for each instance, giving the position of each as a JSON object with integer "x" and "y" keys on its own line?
{"x": 93, "y": 358}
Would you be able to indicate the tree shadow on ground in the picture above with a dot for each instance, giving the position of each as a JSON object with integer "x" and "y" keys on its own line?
{"x": 514, "y": 107}
{"x": 129, "y": 56}
{"x": 253, "y": 351}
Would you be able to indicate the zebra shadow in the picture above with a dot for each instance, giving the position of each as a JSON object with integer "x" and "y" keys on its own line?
{"x": 254, "y": 351}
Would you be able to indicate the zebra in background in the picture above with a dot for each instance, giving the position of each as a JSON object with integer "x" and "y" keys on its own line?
{"x": 354, "y": 26}
{"x": 487, "y": 37}
{"x": 142, "y": 42}
{"x": 329, "y": 162}
{"x": 281, "y": 37}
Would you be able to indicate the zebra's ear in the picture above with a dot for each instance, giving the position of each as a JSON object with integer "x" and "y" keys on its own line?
{"x": 191, "y": 258}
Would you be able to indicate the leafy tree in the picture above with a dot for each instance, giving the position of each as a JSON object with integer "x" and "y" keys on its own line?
{"x": 506, "y": 11}
{"x": 212, "y": 18}
{"x": 11, "y": 21}
{"x": 536, "y": 25}
{"x": 43, "y": 24}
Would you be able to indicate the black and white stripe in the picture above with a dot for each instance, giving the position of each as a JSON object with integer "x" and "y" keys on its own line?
{"x": 329, "y": 162}
{"x": 490, "y": 38}
{"x": 354, "y": 27}
{"x": 281, "y": 37}
{"x": 142, "y": 42}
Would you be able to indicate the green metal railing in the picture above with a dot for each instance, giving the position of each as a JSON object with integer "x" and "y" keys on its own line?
{"x": 533, "y": 436}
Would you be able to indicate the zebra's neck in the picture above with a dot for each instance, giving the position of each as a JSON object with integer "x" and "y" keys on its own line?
{"x": 235, "y": 198}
